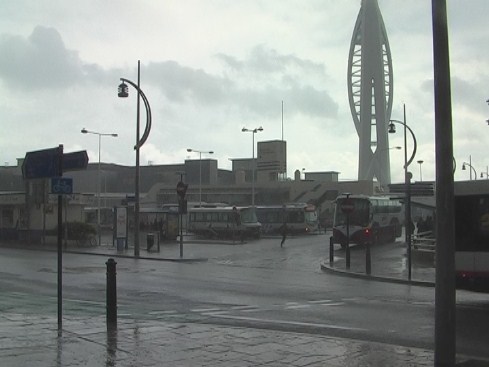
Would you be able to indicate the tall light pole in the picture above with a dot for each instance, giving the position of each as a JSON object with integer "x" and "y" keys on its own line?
{"x": 200, "y": 169}
{"x": 485, "y": 173}
{"x": 420, "y": 162}
{"x": 253, "y": 132}
{"x": 464, "y": 164}
{"x": 407, "y": 182}
{"x": 123, "y": 92}
{"x": 85, "y": 131}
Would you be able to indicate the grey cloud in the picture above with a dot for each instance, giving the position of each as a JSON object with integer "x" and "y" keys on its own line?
{"x": 263, "y": 60}
{"x": 298, "y": 100}
{"x": 40, "y": 61}
{"x": 180, "y": 83}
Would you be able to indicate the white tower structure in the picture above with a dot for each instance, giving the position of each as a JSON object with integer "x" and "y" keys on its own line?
{"x": 370, "y": 92}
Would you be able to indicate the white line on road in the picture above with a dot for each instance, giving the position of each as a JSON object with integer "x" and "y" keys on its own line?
{"x": 285, "y": 322}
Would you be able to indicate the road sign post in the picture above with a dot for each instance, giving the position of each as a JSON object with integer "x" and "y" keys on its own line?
{"x": 50, "y": 163}
{"x": 347, "y": 207}
{"x": 182, "y": 208}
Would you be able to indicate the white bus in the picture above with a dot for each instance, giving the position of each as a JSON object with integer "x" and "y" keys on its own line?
{"x": 370, "y": 219}
{"x": 472, "y": 240}
{"x": 300, "y": 218}
{"x": 239, "y": 222}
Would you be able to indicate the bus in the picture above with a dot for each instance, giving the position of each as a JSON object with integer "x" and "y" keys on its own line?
{"x": 472, "y": 240}
{"x": 300, "y": 218}
{"x": 221, "y": 222}
{"x": 371, "y": 219}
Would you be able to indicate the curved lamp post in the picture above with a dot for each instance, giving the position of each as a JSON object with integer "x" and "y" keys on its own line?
{"x": 420, "y": 162}
{"x": 253, "y": 132}
{"x": 85, "y": 131}
{"x": 487, "y": 119}
{"x": 464, "y": 164}
{"x": 200, "y": 169}
{"x": 407, "y": 182}
{"x": 123, "y": 92}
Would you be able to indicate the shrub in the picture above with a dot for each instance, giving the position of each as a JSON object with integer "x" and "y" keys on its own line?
{"x": 78, "y": 230}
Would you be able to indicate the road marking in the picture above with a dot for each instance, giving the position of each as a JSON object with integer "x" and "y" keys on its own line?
{"x": 297, "y": 306}
{"x": 294, "y": 323}
{"x": 205, "y": 309}
{"x": 243, "y": 308}
{"x": 321, "y": 301}
{"x": 167, "y": 312}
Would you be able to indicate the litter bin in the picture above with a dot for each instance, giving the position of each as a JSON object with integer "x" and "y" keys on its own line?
{"x": 120, "y": 244}
{"x": 150, "y": 240}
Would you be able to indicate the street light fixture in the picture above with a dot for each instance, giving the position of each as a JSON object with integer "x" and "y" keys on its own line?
{"x": 85, "y": 131}
{"x": 123, "y": 92}
{"x": 464, "y": 164}
{"x": 420, "y": 162}
{"x": 407, "y": 182}
{"x": 200, "y": 169}
{"x": 253, "y": 132}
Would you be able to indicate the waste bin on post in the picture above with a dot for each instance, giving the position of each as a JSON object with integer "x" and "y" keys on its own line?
{"x": 150, "y": 240}
{"x": 120, "y": 244}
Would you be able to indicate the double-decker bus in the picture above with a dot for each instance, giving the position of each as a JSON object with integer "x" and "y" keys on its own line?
{"x": 472, "y": 237}
{"x": 370, "y": 219}
{"x": 300, "y": 218}
{"x": 224, "y": 222}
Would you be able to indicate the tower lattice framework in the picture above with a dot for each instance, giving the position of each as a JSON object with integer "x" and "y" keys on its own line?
{"x": 370, "y": 92}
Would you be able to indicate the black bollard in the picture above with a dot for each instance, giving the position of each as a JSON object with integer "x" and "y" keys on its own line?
{"x": 368, "y": 260}
{"x": 111, "y": 293}
{"x": 331, "y": 250}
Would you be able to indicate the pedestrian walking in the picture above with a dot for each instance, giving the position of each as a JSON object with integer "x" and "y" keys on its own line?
{"x": 284, "y": 234}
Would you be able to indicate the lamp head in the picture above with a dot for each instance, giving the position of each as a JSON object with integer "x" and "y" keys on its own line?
{"x": 392, "y": 128}
{"x": 260, "y": 128}
{"x": 123, "y": 90}
{"x": 244, "y": 129}
{"x": 463, "y": 166}
{"x": 114, "y": 135}
{"x": 189, "y": 150}
{"x": 211, "y": 152}
{"x": 84, "y": 131}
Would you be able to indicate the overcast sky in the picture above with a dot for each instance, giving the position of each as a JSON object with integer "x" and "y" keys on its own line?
{"x": 210, "y": 68}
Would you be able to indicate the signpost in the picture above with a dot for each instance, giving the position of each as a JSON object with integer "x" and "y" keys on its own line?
{"x": 182, "y": 208}
{"x": 75, "y": 161}
{"x": 42, "y": 163}
{"x": 62, "y": 185}
{"x": 347, "y": 206}
{"x": 50, "y": 163}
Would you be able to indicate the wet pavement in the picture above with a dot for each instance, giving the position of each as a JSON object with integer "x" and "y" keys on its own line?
{"x": 389, "y": 262}
{"x": 34, "y": 340}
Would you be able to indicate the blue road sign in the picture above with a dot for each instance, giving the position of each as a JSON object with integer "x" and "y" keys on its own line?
{"x": 62, "y": 185}
{"x": 75, "y": 161}
{"x": 42, "y": 164}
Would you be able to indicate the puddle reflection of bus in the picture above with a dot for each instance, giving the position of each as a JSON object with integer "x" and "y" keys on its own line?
{"x": 300, "y": 218}
{"x": 163, "y": 220}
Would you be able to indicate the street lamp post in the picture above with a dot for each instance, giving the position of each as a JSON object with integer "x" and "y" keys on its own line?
{"x": 253, "y": 132}
{"x": 85, "y": 131}
{"x": 485, "y": 173}
{"x": 200, "y": 169}
{"x": 123, "y": 93}
{"x": 464, "y": 164}
{"x": 407, "y": 181}
{"x": 420, "y": 162}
